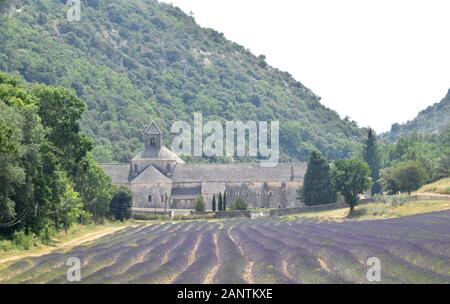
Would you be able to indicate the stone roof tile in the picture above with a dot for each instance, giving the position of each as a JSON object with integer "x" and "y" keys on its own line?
{"x": 151, "y": 175}
{"x": 238, "y": 172}
{"x": 119, "y": 173}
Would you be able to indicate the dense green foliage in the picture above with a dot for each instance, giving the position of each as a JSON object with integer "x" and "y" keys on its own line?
{"x": 406, "y": 176}
{"x": 372, "y": 157}
{"x": 45, "y": 168}
{"x": 432, "y": 119}
{"x": 351, "y": 178}
{"x": 135, "y": 60}
{"x": 239, "y": 204}
{"x": 121, "y": 203}
{"x": 220, "y": 203}
{"x": 213, "y": 203}
{"x": 224, "y": 202}
{"x": 199, "y": 204}
{"x": 432, "y": 151}
{"x": 318, "y": 187}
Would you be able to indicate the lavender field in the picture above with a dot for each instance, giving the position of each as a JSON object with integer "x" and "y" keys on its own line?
{"x": 413, "y": 249}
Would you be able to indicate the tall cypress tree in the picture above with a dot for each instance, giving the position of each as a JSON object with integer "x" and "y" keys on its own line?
{"x": 318, "y": 187}
{"x": 372, "y": 158}
{"x": 214, "y": 203}
{"x": 220, "y": 201}
{"x": 224, "y": 204}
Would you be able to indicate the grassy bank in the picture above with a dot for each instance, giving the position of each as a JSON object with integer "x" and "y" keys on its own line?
{"x": 440, "y": 187}
{"x": 375, "y": 211}
{"x": 77, "y": 235}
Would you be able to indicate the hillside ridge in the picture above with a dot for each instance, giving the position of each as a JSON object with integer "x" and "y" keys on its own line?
{"x": 134, "y": 61}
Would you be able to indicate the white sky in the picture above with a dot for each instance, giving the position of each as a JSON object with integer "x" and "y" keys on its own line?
{"x": 378, "y": 61}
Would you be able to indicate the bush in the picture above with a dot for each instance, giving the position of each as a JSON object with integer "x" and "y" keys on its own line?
{"x": 46, "y": 234}
{"x": 121, "y": 203}
{"x": 199, "y": 204}
{"x": 6, "y": 245}
{"x": 239, "y": 204}
{"x": 397, "y": 200}
{"x": 24, "y": 241}
{"x": 394, "y": 200}
{"x": 403, "y": 177}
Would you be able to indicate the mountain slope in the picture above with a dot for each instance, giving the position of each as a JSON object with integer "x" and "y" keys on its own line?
{"x": 136, "y": 60}
{"x": 430, "y": 120}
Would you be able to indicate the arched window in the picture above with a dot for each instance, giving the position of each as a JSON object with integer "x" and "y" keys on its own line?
{"x": 150, "y": 198}
{"x": 270, "y": 193}
{"x": 152, "y": 141}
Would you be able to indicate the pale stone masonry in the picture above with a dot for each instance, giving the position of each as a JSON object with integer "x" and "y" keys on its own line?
{"x": 159, "y": 178}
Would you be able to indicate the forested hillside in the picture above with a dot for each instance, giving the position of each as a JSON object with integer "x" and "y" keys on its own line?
{"x": 135, "y": 60}
{"x": 432, "y": 119}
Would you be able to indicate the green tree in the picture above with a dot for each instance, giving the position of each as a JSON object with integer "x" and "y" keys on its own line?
{"x": 71, "y": 209}
{"x": 239, "y": 204}
{"x": 220, "y": 202}
{"x": 60, "y": 111}
{"x": 95, "y": 188}
{"x": 405, "y": 176}
{"x": 213, "y": 204}
{"x": 388, "y": 181}
{"x": 12, "y": 174}
{"x": 199, "y": 204}
{"x": 351, "y": 177}
{"x": 372, "y": 158}
{"x": 318, "y": 185}
{"x": 409, "y": 176}
{"x": 121, "y": 203}
{"x": 47, "y": 180}
{"x": 224, "y": 203}
{"x": 443, "y": 166}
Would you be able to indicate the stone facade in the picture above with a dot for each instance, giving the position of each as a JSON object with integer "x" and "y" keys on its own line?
{"x": 158, "y": 178}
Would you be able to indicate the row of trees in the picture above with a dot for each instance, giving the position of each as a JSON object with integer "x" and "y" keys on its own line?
{"x": 221, "y": 202}
{"x": 239, "y": 204}
{"x": 352, "y": 177}
{"x": 48, "y": 178}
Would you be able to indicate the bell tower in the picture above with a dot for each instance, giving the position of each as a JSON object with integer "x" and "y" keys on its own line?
{"x": 152, "y": 140}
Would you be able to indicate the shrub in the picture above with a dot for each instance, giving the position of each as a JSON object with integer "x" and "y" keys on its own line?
{"x": 239, "y": 204}
{"x": 47, "y": 233}
{"x": 199, "y": 204}
{"x": 403, "y": 177}
{"x": 397, "y": 200}
{"x": 121, "y": 203}
{"x": 6, "y": 245}
{"x": 24, "y": 241}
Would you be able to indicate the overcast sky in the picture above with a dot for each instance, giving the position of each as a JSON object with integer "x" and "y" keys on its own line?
{"x": 378, "y": 61}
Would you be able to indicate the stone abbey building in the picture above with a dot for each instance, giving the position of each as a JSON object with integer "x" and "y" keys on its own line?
{"x": 158, "y": 178}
